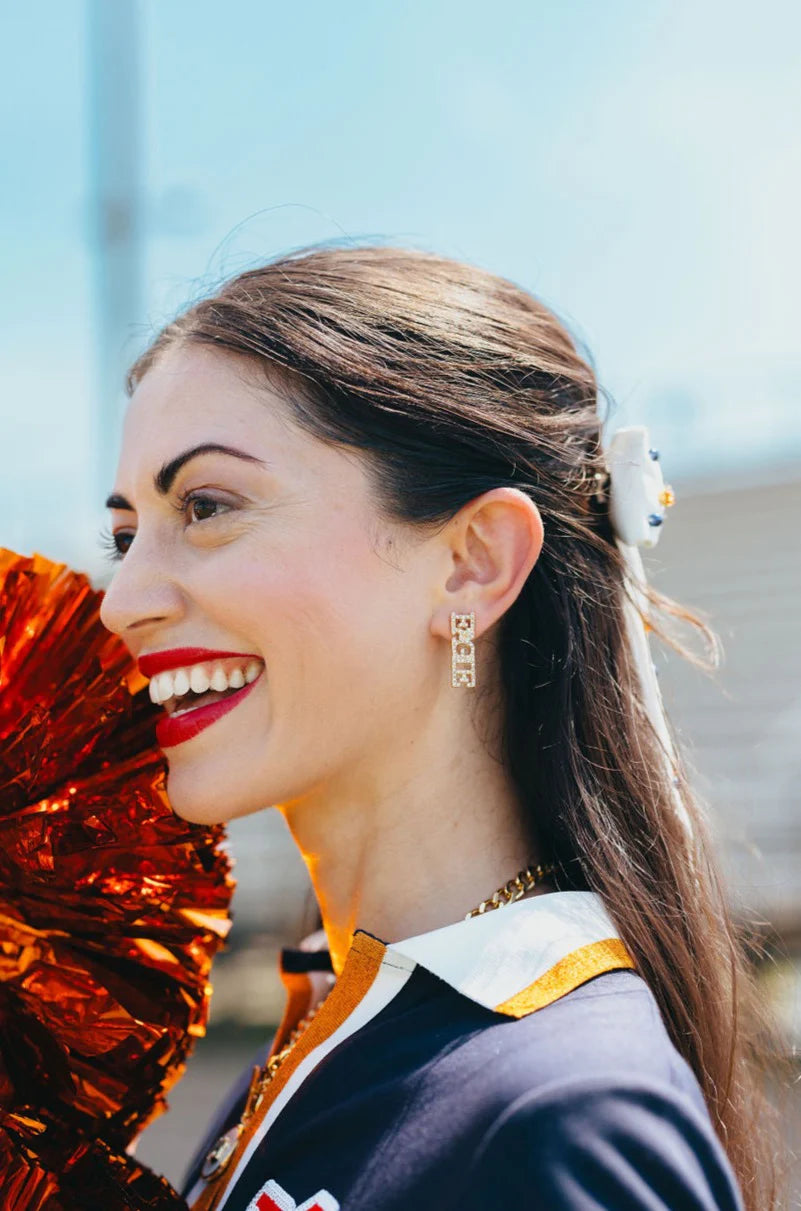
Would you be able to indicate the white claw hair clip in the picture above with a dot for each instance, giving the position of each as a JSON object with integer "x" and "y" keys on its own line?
{"x": 638, "y": 498}
{"x": 638, "y": 495}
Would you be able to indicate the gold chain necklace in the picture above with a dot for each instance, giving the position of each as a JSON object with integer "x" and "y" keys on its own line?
{"x": 524, "y": 881}
{"x": 221, "y": 1152}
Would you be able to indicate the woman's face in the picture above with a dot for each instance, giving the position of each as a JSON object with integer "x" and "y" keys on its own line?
{"x": 280, "y": 557}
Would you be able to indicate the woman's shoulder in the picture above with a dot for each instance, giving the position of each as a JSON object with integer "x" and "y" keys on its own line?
{"x": 610, "y": 1024}
{"x": 604, "y": 1140}
{"x": 592, "y": 1102}
{"x": 541, "y": 991}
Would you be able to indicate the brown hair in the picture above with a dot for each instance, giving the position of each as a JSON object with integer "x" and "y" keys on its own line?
{"x": 451, "y": 381}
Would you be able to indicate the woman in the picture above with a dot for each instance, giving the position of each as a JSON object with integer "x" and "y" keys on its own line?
{"x": 367, "y": 559}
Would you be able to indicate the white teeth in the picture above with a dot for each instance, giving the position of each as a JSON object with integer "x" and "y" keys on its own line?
{"x": 178, "y": 682}
{"x": 164, "y": 682}
{"x": 219, "y": 681}
{"x": 198, "y": 679}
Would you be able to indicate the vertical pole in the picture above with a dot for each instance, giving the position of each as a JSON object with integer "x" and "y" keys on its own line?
{"x": 116, "y": 220}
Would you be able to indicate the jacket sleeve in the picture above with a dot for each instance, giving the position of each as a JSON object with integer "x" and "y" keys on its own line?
{"x": 591, "y": 1143}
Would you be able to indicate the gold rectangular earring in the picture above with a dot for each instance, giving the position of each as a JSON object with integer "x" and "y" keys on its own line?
{"x": 463, "y": 650}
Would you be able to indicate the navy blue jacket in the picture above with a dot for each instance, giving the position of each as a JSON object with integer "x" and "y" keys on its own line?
{"x": 446, "y": 1094}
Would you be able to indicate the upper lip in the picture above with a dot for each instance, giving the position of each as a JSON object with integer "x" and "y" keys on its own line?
{"x": 177, "y": 658}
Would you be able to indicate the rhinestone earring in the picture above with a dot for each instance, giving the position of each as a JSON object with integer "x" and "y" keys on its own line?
{"x": 463, "y": 650}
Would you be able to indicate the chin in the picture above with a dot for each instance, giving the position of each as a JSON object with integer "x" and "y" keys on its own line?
{"x": 198, "y": 803}
{"x": 198, "y": 813}
{"x": 192, "y": 805}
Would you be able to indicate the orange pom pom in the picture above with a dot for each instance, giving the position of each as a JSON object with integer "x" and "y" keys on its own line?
{"x": 111, "y": 906}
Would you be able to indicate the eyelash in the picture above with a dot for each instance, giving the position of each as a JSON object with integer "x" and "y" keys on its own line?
{"x": 109, "y": 541}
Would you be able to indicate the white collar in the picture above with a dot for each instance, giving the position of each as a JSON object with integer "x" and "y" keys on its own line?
{"x": 521, "y": 956}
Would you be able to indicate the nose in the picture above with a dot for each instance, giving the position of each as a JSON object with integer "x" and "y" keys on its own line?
{"x": 143, "y": 592}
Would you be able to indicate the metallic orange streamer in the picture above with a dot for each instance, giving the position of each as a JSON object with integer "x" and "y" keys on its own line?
{"x": 111, "y": 906}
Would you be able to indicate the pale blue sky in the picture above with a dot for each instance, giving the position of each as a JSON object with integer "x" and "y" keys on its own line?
{"x": 635, "y": 163}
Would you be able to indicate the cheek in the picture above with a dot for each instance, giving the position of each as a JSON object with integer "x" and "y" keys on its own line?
{"x": 323, "y": 615}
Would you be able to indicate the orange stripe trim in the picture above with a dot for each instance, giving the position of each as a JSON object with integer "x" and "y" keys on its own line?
{"x": 361, "y": 967}
{"x": 299, "y": 998}
{"x": 574, "y": 969}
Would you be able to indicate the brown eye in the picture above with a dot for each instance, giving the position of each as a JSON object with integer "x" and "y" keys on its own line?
{"x": 202, "y": 502}
{"x": 196, "y": 506}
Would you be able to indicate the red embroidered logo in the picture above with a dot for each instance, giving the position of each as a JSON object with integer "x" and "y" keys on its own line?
{"x": 273, "y": 1197}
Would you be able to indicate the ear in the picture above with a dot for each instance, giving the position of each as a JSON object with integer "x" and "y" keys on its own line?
{"x": 490, "y": 546}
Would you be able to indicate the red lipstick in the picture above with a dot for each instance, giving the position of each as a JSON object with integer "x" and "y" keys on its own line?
{"x": 174, "y": 729}
{"x": 177, "y": 658}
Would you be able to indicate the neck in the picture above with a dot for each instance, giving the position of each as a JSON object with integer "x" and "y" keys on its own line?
{"x": 413, "y": 850}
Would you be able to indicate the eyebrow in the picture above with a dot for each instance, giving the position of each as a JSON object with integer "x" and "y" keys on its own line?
{"x": 163, "y": 479}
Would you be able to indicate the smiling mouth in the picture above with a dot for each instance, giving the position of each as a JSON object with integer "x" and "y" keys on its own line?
{"x": 190, "y": 688}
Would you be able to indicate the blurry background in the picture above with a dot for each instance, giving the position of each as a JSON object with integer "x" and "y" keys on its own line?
{"x": 635, "y": 164}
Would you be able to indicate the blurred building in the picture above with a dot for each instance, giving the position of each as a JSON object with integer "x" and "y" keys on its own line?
{"x": 733, "y": 549}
